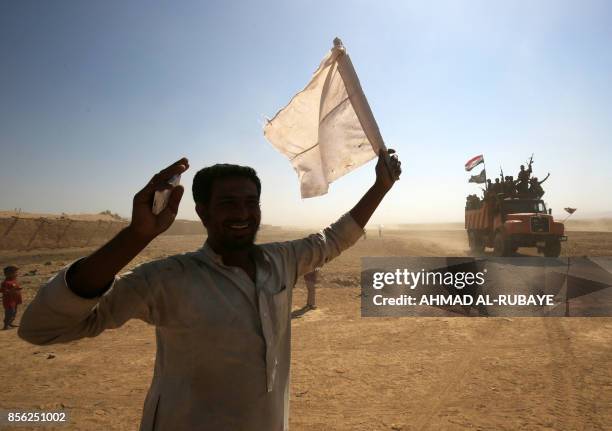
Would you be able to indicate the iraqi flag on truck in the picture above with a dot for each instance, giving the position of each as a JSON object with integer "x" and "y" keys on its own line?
{"x": 481, "y": 178}
{"x": 473, "y": 162}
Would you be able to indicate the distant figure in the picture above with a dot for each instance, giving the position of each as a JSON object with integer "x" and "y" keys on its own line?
{"x": 523, "y": 180}
{"x": 380, "y": 229}
{"x": 11, "y": 296}
{"x": 524, "y": 174}
{"x": 497, "y": 187}
{"x": 473, "y": 202}
{"x": 493, "y": 188}
{"x": 509, "y": 186}
{"x": 535, "y": 187}
{"x": 311, "y": 279}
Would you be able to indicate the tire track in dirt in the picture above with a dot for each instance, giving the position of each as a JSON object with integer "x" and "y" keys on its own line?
{"x": 454, "y": 377}
{"x": 570, "y": 409}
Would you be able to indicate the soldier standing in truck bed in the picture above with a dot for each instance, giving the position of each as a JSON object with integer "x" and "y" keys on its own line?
{"x": 488, "y": 192}
{"x": 472, "y": 202}
{"x": 503, "y": 187}
{"x": 535, "y": 187}
{"x": 493, "y": 188}
{"x": 523, "y": 180}
{"x": 509, "y": 186}
{"x": 524, "y": 174}
{"x": 497, "y": 187}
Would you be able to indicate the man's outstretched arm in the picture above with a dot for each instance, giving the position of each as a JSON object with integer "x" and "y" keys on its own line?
{"x": 386, "y": 175}
{"x": 545, "y": 178}
{"x": 91, "y": 276}
{"x": 72, "y": 305}
{"x": 317, "y": 249}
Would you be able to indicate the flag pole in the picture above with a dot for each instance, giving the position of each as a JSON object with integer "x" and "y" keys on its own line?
{"x": 568, "y": 216}
{"x": 484, "y": 166}
{"x": 360, "y": 103}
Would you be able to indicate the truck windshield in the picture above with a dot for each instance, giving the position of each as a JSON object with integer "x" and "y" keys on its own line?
{"x": 523, "y": 206}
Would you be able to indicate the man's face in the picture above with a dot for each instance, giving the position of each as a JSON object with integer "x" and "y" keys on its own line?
{"x": 12, "y": 274}
{"x": 232, "y": 216}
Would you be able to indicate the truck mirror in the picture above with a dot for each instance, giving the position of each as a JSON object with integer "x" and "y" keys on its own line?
{"x": 549, "y": 211}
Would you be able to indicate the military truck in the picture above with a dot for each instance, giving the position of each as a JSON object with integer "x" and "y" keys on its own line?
{"x": 507, "y": 223}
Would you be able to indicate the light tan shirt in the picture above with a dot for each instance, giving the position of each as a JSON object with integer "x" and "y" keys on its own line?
{"x": 223, "y": 342}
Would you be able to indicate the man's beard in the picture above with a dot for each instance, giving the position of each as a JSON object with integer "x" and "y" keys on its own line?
{"x": 233, "y": 244}
{"x": 239, "y": 242}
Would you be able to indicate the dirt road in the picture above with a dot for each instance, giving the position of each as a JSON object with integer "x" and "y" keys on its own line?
{"x": 348, "y": 372}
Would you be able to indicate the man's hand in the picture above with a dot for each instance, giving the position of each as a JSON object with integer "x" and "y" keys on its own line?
{"x": 144, "y": 223}
{"x": 388, "y": 169}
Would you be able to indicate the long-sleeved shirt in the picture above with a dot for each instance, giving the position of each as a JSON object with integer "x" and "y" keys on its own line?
{"x": 223, "y": 342}
{"x": 11, "y": 294}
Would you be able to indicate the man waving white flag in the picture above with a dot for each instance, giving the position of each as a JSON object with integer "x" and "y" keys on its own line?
{"x": 327, "y": 129}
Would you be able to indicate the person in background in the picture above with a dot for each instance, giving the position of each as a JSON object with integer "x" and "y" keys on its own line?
{"x": 311, "y": 279}
{"x": 11, "y": 296}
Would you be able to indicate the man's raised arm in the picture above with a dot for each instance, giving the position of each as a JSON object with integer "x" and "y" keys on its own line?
{"x": 72, "y": 305}
{"x": 386, "y": 175}
{"x": 91, "y": 276}
{"x": 317, "y": 249}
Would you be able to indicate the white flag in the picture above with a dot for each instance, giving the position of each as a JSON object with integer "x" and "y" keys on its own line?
{"x": 327, "y": 129}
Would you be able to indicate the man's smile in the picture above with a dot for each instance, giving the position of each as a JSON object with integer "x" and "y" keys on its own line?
{"x": 239, "y": 225}
{"x": 241, "y": 228}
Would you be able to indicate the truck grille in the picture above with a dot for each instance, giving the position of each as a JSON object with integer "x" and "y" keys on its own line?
{"x": 539, "y": 224}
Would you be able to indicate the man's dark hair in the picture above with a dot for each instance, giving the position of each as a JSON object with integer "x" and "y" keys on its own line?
{"x": 10, "y": 269}
{"x": 204, "y": 179}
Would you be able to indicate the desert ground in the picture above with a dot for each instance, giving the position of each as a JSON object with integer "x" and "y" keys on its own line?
{"x": 348, "y": 372}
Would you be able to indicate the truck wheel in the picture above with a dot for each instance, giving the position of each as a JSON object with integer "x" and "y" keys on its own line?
{"x": 501, "y": 245}
{"x": 476, "y": 243}
{"x": 471, "y": 240}
{"x": 552, "y": 248}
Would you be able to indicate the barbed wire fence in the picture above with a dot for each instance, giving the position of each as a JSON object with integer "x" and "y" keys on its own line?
{"x": 27, "y": 233}
{"x": 22, "y": 233}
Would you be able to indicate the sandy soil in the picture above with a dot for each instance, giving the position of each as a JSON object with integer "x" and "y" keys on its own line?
{"x": 348, "y": 373}
{"x": 105, "y": 216}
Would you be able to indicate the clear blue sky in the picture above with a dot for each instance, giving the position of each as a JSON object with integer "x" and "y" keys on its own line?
{"x": 95, "y": 97}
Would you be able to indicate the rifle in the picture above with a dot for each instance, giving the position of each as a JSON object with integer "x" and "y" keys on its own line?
{"x": 530, "y": 161}
{"x": 501, "y": 174}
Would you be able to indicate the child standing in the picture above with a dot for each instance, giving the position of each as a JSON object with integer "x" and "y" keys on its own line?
{"x": 11, "y": 295}
{"x": 311, "y": 280}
